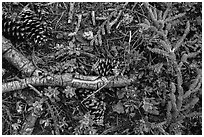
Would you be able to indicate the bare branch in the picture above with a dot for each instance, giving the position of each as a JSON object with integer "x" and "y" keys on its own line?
{"x": 80, "y": 81}
{"x": 17, "y": 59}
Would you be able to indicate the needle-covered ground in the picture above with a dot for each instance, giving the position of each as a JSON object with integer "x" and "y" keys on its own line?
{"x": 157, "y": 44}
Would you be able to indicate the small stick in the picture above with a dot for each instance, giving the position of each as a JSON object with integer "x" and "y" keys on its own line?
{"x": 79, "y": 22}
{"x": 93, "y": 18}
{"x": 59, "y": 19}
{"x": 71, "y": 11}
{"x": 130, "y": 39}
{"x": 37, "y": 91}
{"x": 106, "y": 83}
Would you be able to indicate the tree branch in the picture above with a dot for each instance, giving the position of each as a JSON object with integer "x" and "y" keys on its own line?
{"x": 80, "y": 81}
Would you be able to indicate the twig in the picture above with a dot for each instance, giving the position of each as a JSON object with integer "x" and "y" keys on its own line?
{"x": 77, "y": 27}
{"x": 78, "y": 23}
{"x": 59, "y": 19}
{"x": 106, "y": 83}
{"x": 37, "y": 91}
{"x": 71, "y": 12}
{"x": 93, "y": 17}
{"x": 116, "y": 19}
{"x": 130, "y": 39}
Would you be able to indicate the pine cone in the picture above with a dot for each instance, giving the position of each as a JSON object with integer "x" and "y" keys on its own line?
{"x": 26, "y": 27}
{"x": 105, "y": 66}
{"x": 95, "y": 105}
{"x": 11, "y": 30}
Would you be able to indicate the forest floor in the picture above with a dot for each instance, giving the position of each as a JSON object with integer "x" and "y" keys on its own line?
{"x": 157, "y": 44}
